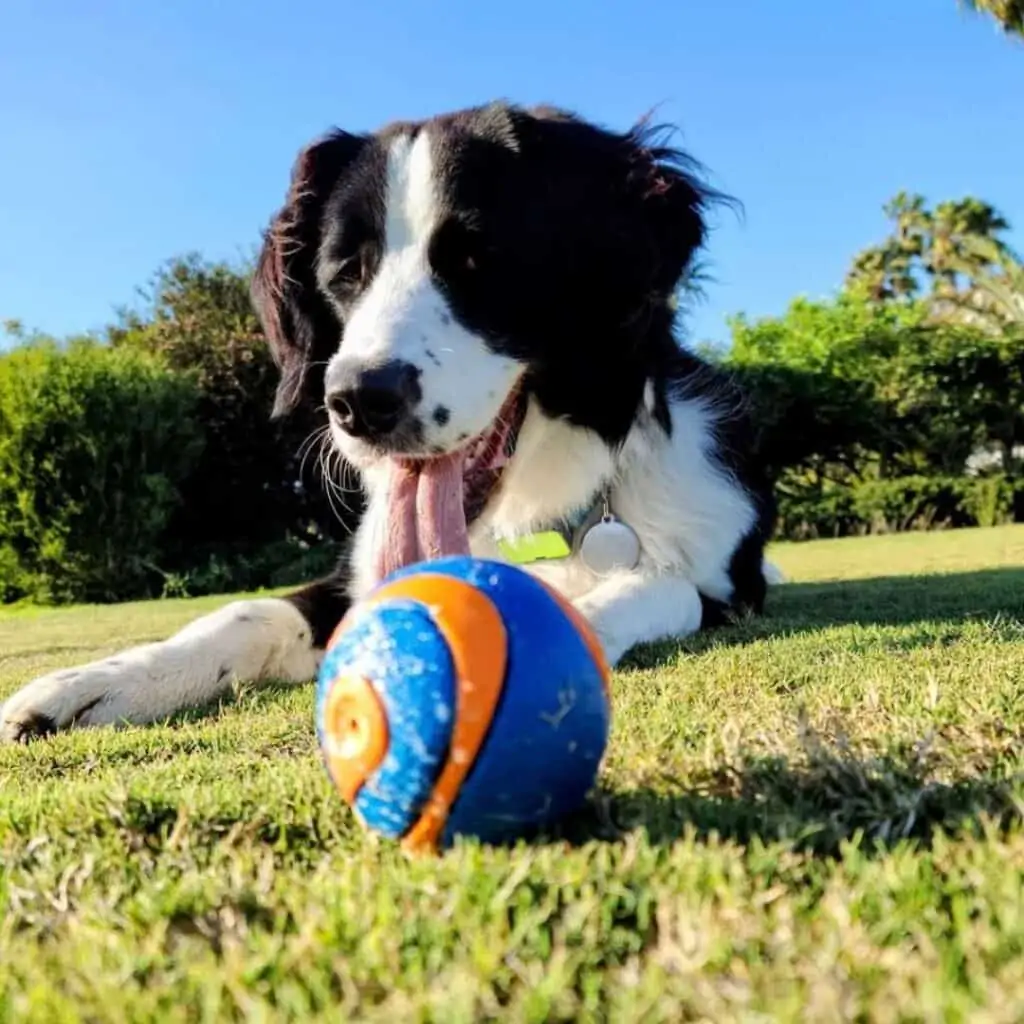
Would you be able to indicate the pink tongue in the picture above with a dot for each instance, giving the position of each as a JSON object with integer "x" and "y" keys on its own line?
{"x": 426, "y": 515}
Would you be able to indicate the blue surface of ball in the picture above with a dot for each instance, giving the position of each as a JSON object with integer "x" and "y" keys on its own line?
{"x": 462, "y": 697}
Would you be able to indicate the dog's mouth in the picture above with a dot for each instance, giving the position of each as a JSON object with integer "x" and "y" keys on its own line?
{"x": 431, "y": 502}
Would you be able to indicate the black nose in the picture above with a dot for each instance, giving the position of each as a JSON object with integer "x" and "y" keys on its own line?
{"x": 372, "y": 401}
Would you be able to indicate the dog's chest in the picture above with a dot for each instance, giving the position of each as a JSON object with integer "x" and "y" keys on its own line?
{"x": 556, "y": 474}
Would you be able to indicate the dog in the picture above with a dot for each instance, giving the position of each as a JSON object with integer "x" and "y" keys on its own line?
{"x": 486, "y": 303}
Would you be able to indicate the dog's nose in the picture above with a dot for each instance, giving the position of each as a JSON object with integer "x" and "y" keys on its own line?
{"x": 372, "y": 401}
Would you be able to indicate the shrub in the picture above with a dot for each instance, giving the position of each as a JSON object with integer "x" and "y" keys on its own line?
{"x": 902, "y": 503}
{"x": 251, "y": 490}
{"x": 94, "y": 446}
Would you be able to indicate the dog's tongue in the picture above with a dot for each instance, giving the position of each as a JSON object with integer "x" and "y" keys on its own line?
{"x": 430, "y": 501}
{"x": 426, "y": 514}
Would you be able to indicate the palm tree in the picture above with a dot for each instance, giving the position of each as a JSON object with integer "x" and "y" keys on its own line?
{"x": 993, "y": 296}
{"x": 1009, "y": 13}
{"x": 887, "y": 271}
{"x": 955, "y": 250}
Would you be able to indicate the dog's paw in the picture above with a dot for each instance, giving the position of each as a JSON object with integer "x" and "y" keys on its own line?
{"x": 88, "y": 695}
{"x": 630, "y": 609}
{"x": 245, "y": 641}
{"x": 614, "y": 641}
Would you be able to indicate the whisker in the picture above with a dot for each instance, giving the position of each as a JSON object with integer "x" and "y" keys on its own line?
{"x": 306, "y": 448}
{"x": 336, "y": 495}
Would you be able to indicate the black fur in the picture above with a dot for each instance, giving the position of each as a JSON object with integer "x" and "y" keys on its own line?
{"x": 297, "y": 319}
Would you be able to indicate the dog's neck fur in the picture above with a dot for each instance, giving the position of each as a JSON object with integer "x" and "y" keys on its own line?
{"x": 556, "y": 471}
{"x": 668, "y": 486}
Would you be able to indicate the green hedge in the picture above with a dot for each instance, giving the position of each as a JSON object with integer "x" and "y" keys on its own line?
{"x": 888, "y": 506}
{"x": 94, "y": 445}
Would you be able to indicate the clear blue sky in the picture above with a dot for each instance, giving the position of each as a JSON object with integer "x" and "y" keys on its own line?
{"x": 140, "y": 130}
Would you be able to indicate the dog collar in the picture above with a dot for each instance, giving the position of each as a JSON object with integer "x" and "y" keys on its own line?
{"x": 603, "y": 541}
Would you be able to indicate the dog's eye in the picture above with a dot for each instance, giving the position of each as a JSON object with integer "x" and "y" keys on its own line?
{"x": 456, "y": 251}
{"x": 352, "y": 267}
{"x": 349, "y": 271}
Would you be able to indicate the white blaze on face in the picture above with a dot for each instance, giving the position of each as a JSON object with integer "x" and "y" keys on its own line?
{"x": 403, "y": 315}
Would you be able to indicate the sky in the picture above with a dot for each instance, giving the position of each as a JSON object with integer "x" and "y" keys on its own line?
{"x": 133, "y": 131}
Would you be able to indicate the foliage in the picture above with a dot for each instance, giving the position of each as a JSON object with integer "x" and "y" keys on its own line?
{"x": 994, "y": 298}
{"x": 810, "y": 508}
{"x": 251, "y": 492}
{"x": 1009, "y": 13}
{"x": 955, "y": 256}
{"x": 870, "y": 413}
{"x": 94, "y": 448}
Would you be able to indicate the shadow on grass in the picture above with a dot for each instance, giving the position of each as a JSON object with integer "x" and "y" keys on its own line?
{"x": 827, "y": 795}
{"x": 927, "y": 600}
{"x": 965, "y": 780}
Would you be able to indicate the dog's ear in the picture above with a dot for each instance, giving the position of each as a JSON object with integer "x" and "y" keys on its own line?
{"x": 637, "y": 204}
{"x": 300, "y": 326}
{"x": 670, "y": 202}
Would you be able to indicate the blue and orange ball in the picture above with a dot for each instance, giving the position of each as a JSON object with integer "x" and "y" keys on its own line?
{"x": 462, "y": 697}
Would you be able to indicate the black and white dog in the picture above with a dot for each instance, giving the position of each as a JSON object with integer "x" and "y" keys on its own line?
{"x": 485, "y": 302}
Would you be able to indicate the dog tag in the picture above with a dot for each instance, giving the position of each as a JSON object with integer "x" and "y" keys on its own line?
{"x": 609, "y": 545}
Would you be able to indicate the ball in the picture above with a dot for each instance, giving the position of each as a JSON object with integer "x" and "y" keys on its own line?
{"x": 462, "y": 697}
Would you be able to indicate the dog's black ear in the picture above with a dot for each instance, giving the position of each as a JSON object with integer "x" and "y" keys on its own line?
{"x": 300, "y": 326}
{"x": 637, "y": 204}
{"x": 671, "y": 202}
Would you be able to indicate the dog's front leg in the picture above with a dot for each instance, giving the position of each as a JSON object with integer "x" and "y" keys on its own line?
{"x": 630, "y": 608}
{"x": 254, "y": 641}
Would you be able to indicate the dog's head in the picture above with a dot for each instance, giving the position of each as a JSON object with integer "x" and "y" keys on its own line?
{"x": 428, "y": 267}
{"x": 422, "y": 280}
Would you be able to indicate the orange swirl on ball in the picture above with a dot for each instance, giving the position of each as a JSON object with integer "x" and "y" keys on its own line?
{"x": 357, "y": 733}
{"x": 475, "y": 635}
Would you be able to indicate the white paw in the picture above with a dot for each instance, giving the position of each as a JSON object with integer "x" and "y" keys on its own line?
{"x": 246, "y": 641}
{"x": 629, "y": 609}
{"x": 615, "y": 643}
{"x": 99, "y": 693}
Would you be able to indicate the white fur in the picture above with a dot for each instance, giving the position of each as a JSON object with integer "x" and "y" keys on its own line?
{"x": 630, "y": 608}
{"x": 688, "y": 513}
{"x": 243, "y": 642}
{"x": 403, "y": 316}
{"x": 370, "y": 536}
{"x": 555, "y": 470}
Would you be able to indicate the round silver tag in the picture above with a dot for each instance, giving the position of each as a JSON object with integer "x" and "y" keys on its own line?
{"x": 609, "y": 545}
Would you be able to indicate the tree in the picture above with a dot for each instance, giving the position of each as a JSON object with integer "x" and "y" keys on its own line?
{"x": 870, "y": 413}
{"x": 254, "y": 487}
{"x": 1009, "y": 13}
{"x": 994, "y": 297}
{"x": 953, "y": 255}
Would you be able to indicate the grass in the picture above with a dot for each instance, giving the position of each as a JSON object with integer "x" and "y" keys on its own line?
{"x": 813, "y": 816}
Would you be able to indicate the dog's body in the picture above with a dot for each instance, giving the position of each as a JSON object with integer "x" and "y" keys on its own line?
{"x": 486, "y": 301}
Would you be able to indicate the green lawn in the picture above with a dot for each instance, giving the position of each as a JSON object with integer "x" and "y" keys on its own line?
{"x": 816, "y": 816}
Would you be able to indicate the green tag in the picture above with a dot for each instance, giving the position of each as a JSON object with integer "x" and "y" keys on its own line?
{"x": 535, "y": 546}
